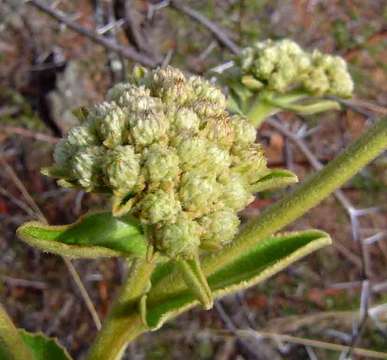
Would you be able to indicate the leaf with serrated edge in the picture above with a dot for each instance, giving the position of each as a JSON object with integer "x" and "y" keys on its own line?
{"x": 275, "y": 179}
{"x": 43, "y": 347}
{"x": 267, "y": 258}
{"x": 97, "y": 234}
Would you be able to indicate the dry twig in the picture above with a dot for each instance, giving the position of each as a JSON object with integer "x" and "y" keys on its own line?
{"x": 38, "y": 285}
{"x": 29, "y": 134}
{"x": 218, "y": 33}
{"x": 124, "y": 51}
{"x": 314, "y": 343}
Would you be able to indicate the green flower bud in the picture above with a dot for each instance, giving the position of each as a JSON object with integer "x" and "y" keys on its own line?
{"x": 250, "y": 163}
{"x": 219, "y": 131}
{"x": 113, "y": 127}
{"x": 122, "y": 92}
{"x": 207, "y": 109}
{"x": 122, "y": 168}
{"x": 236, "y": 194}
{"x": 63, "y": 153}
{"x": 159, "y": 206}
{"x": 266, "y": 62}
{"x": 198, "y": 193}
{"x": 186, "y": 120}
{"x": 171, "y": 86}
{"x": 135, "y": 100}
{"x": 336, "y": 71}
{"x": 180, "y": 239}
{"x": 177, "y": 96}
{"x": 244, "y": 132}
{"x": 138, "y": 74}
{"x": 167, "y": 77}
{"x": 219, "y": 228}
{"x": 192, "y": 151}
{"x": 83, "y": 135}
{"x": 161, "y": 164}
{"x": 247, "y": 58}
{"x": 317, "y": 81}
{"x": 204, "y": 91}
{"x": 99, "y": 111}
{"x": 146, "y": 129}
{"x": 86, "y": 167}
{"x": 216, "y": 161}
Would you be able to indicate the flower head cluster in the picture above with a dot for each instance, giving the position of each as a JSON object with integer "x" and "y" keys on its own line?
{"x": 170, "y": 154}
{"x": 282, "y": 65}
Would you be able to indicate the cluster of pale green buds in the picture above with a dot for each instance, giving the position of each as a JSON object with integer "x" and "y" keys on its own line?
{"x": 279, "y": 75}
{"x": 282, "y": 66}
{"x": 166, "y": 149}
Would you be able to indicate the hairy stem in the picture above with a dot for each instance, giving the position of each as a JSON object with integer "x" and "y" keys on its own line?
{"x": 12, "y": 346}
{"x": 124, "y": 323}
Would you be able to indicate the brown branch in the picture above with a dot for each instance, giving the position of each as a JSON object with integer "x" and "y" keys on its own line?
{"x": 11, "y": 281}
{"x": 215, "y": 29}
{"x": 29, "y": 134}
{"x": 362, "y": 106}
{"x": 124, "y": 51}
{"x": 123, "y": 9}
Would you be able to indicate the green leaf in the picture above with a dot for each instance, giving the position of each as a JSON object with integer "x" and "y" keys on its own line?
{"x": 267, "y": 258}
{"x": 97, "y": 234}
{"x": 275, "y": 179}
{"x": 43, "y": 347}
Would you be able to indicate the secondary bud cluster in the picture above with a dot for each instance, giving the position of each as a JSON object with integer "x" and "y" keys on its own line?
{"x": 281, "y": 66}
{"x": 170, "y": 154}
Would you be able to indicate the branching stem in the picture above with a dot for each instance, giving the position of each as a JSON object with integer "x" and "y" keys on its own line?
{"x": 262, "y": 108}
{"x": 124, "y": 322}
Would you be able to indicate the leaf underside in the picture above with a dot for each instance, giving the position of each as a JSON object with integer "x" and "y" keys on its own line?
{"x": 98, "y": 234}
{"x": 275, "y": 179}
{"x": 268, "y": 257}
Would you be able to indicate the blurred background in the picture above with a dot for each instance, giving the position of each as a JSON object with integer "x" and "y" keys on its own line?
{"x": 58, "y": 55}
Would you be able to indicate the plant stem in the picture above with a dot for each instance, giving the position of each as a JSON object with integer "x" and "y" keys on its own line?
{"x": 263, "y": 108}
{"x": 313, "y": 108}
{"x": 124, "y": 322}
{"x": 11, "y": 343}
